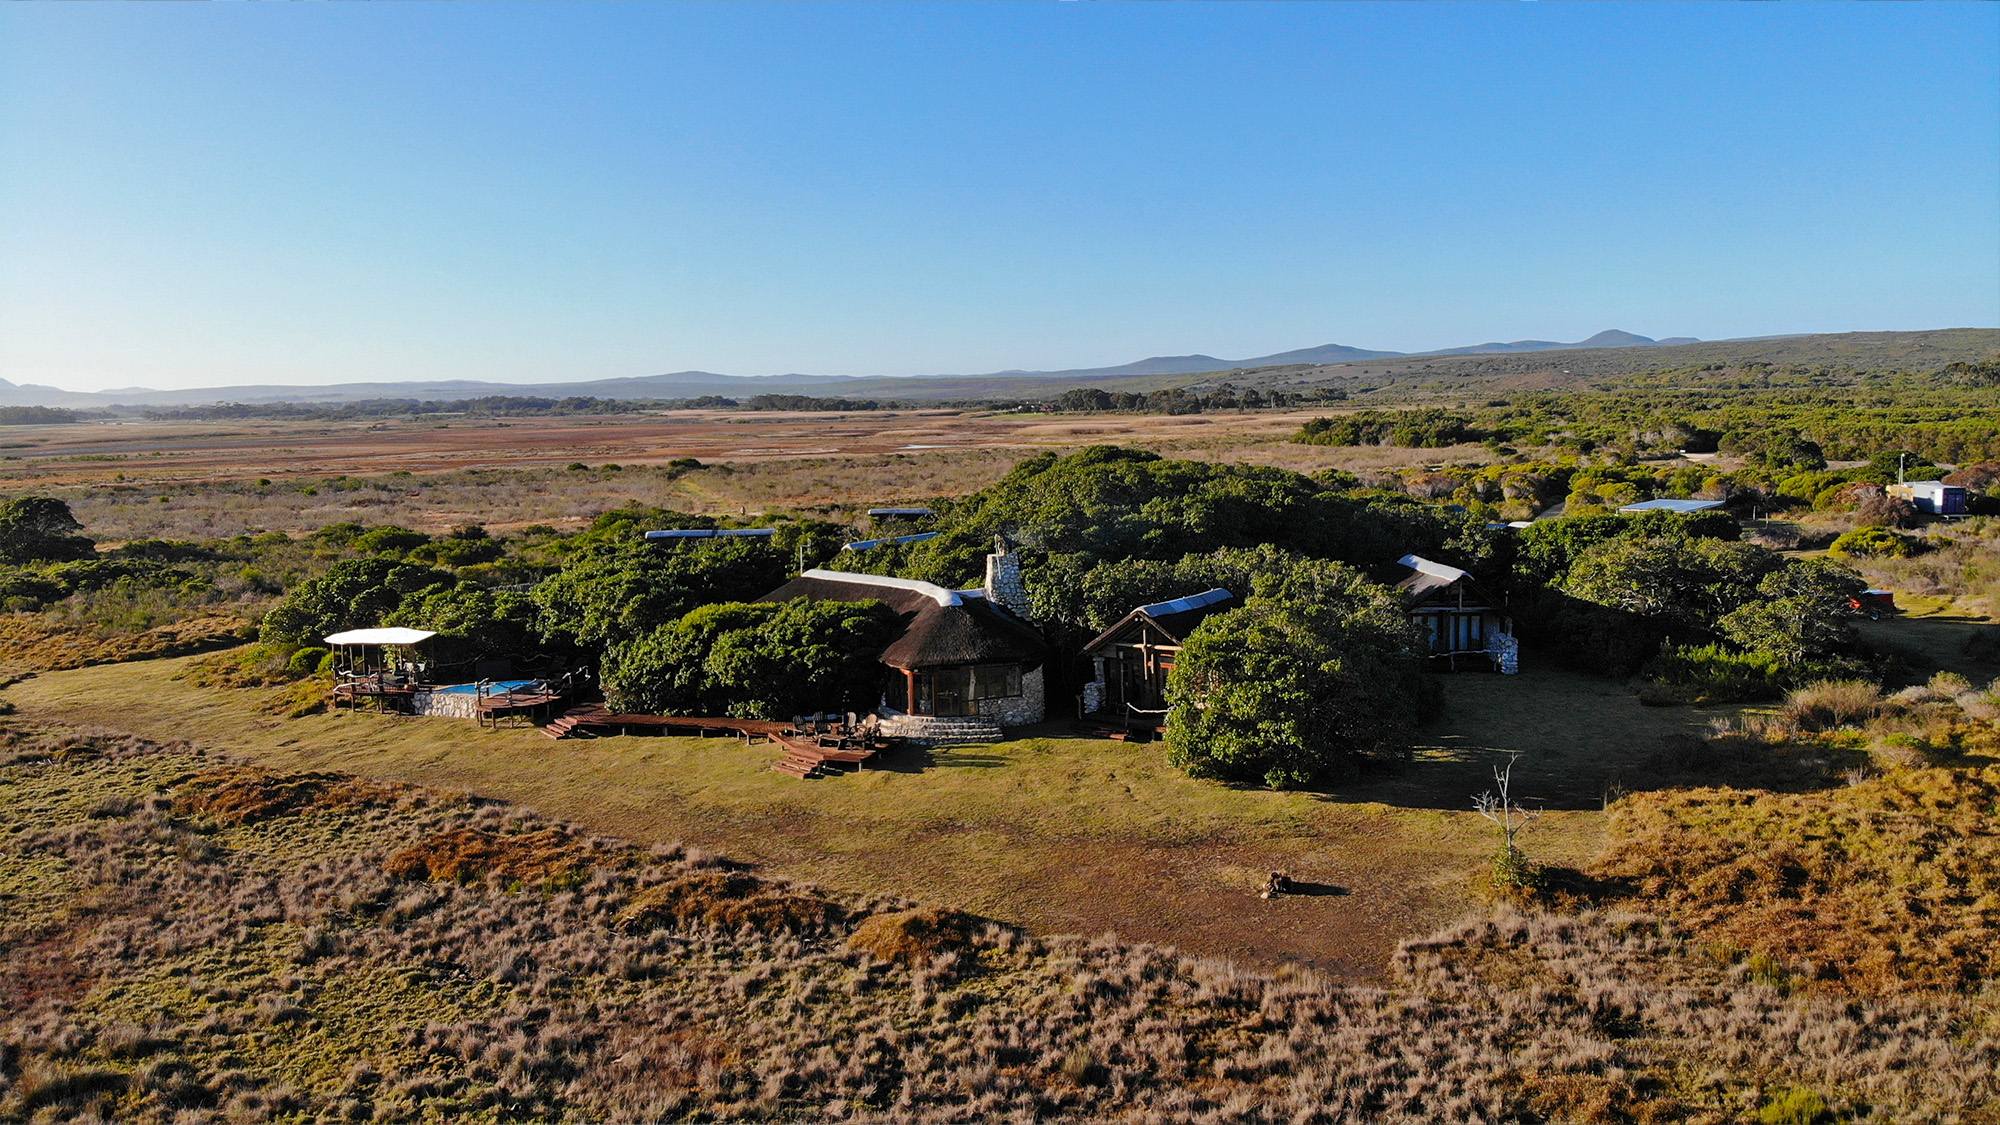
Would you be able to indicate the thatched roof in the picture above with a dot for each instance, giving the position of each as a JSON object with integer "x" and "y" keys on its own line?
{"x": 940, "y": 627}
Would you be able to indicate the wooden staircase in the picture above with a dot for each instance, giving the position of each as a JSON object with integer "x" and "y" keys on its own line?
{"x": 566, "y": 724}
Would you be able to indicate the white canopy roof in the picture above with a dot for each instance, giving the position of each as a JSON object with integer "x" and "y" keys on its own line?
{"x": 380, "y": 637}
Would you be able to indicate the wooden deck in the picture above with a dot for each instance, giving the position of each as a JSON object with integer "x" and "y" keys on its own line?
{"x": 806, "y": 755}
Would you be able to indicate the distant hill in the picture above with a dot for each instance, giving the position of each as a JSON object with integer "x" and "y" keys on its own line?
{"x": 1607, "y": 353}
{"x": 1611, "y": 338}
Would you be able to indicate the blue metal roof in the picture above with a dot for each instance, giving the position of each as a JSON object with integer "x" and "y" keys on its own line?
{"x": 712, "y": 533}
{"x": 1182, "y": 605}
{"x": 900, "y": 512}
{"x": 867, "y": 543}
{"x": 1666, "y": 505}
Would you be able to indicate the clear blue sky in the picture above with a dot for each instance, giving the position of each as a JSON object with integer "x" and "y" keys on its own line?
{"x": 195, "y": 195}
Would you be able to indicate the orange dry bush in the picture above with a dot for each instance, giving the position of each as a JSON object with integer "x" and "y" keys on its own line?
{"x": 464, "y": 854}
{"x": 1890, "y": 884}
{"x": 913, "y": 936}
{"x": 729, "y": 899}
{"x": 245, "y": 796}
{"x": 28, "y": 641}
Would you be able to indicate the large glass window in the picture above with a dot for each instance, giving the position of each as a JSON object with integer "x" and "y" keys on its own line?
{"x": 996, "y": 681}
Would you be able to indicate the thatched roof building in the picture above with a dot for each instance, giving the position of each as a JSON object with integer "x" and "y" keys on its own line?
{"x": 959, "y": 653}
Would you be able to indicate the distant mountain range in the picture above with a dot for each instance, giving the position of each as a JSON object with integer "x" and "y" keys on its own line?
{"x": 689, "y": 384}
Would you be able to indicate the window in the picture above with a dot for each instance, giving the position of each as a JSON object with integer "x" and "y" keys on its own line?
{"x": 996, "y": 681}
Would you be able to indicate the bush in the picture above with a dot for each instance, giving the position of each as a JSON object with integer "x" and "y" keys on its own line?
{"x": 756, "y": 660}
{"x": 1831, "y": 704}
{"x": 1316, "y": 672}
{"x": 1714, "y": 674}
{"x": 1876, "y": 542}
{"x": 41, "y": 529}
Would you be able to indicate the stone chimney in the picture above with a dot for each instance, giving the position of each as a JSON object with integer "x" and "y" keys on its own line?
{"x": 1004, "y": 587}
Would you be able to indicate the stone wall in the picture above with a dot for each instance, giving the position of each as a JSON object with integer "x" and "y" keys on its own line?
{"x": 445, "y": 704}
{"x": 1019, "y": 710}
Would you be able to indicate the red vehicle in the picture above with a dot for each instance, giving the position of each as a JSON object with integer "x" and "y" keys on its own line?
{"x": 1874, "y": 603}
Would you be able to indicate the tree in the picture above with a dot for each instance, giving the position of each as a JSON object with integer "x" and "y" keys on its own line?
{"x": 1801, "y": 613}
{"x": 616, "y": 590}
{"x": 1687, "y": 584}
{"x": 1315, "y": 673}
{"x": 472, "y": 622}
{"x": 352, "y": 594}
{"x": 41, "y": 529}
{"x": 756, "y": 660}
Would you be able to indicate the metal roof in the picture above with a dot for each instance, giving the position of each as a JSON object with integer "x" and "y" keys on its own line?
{"x": 867, "y": 543}
{"x": 1668, "y": 505}
{"x": 938, "y": 594}
{"x": 900, "y": 512}
{"x": 1435, "y": 569}
{"x": 389, "y": 636}
{"x": 1182, "y": 605}
{"x": 711, "y": 533}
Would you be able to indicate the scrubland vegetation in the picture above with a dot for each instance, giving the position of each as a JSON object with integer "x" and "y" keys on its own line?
{"x": 192, "y": 936}
{"x": 1791, "y": 917}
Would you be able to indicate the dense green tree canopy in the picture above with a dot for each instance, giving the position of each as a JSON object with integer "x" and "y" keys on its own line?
{"x": 40, "y": 529}
{"x": 1106, "y": 503}
{"x": 352, "y": 594}
{"x": 473, "y": 622}
{"x": 755, "y": 660}
{"x": 615, "y": 590}
{"x": 1316, "y": 672}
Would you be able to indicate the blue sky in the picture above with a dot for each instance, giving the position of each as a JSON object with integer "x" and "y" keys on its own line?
{"x": 198, "y": 195}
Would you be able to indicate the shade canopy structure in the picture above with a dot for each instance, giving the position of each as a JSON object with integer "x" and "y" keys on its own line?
{"x": 390, "y": 636}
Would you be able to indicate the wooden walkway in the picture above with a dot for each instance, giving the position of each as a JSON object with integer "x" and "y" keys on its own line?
{"x": 806, "y": 755}
{"x": 595, "y": 720}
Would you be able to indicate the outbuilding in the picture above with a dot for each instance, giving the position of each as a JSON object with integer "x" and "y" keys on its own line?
{"x": 1933, "y": 497}
{"x": 1461, "y": 620}
{"x": 1129, "y": 662}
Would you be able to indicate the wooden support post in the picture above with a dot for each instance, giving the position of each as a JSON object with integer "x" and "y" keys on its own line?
{"x": 910, "y": 686}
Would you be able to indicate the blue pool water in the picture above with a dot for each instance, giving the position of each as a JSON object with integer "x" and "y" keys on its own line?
{"x": 493, "y": 688}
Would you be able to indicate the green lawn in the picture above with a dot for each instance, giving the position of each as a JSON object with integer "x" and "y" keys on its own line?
{"x": 1057, "y": 834}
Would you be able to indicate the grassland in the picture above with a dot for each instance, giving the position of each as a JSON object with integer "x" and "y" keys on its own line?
{"x": 1056, "y": 834}
{"x": 190, "y": 939}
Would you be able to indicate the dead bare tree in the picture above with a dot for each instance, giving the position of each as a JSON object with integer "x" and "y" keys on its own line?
{"x": 1501, "y": 809}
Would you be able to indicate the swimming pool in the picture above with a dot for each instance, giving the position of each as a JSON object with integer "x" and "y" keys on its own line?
{"x": 493, "y": 688}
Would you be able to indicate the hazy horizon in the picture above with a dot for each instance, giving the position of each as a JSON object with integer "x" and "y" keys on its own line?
{"x": 224, "y": 196}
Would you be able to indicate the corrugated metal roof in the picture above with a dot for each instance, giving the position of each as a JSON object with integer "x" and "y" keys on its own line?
{"x": 938, "y": 594}
{"x": 1182, "y": 605}
{"x": 712, "y": 533}
{"x": 865, "y": 544}
{"x": 900, "y": 512}
{"x": 1669, "y": 505}
{"x": 1435, "y": 569}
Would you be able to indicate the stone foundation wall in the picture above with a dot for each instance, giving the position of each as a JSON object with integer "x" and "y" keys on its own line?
{"x": 1018, "y": 711}
{"x": 445, "y": 704}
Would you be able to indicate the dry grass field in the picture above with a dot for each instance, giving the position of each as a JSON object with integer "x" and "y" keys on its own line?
{"x": 190, "y": 939}
{"x": 1053, "y": 833}
{"x": 221, "y": 480}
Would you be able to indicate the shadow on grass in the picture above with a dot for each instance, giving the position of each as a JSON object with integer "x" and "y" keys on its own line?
{"x": 1297, "y": 887}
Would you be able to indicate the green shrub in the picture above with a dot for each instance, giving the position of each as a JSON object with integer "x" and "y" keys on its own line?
{"x": 1715, "y": 674}
{"x": 1876, "y": 542}
{"x": 1796, "y": 1106}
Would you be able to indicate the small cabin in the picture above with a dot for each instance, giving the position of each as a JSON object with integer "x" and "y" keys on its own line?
{"x": 1464, "y": 625}
{"x": 1129, "y": 663}
{"x": 1933, "y": 497}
